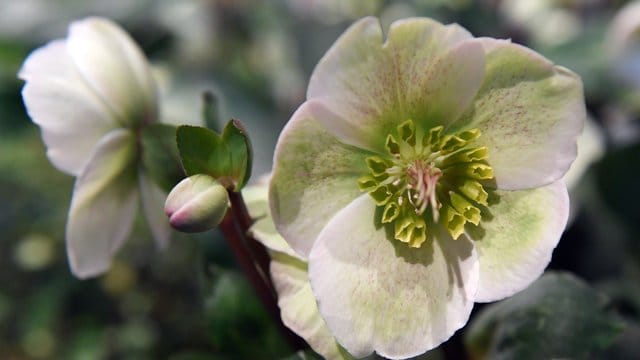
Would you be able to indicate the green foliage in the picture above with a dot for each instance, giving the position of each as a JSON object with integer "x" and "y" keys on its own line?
{"x": 235, "y": 318}
{"x": 160, "y": 156}
{"x": 559, "y": 316}
{"x": 225, "y": 157}
{"x": 617, "y": 176}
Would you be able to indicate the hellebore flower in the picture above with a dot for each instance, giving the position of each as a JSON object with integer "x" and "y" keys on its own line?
{"x": 622, "y": 45}
{"x": 423, "y": 174}
{"x": 92, "y": 94}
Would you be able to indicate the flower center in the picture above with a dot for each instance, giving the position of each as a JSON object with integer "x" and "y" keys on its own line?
{"x": 428, "y": 178}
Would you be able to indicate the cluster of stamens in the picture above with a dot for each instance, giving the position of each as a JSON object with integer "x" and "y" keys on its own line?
{"x": 428, "y": 178}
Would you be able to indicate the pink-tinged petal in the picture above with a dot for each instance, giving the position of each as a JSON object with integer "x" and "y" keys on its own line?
{"x": 423, "y": 71}
{"x": 104, "y": 205}
{"x": 115, "y": 68}
{"x": 71, "y": 116}
{"x": 377, "y": 294}
{"x": 315, "y": 175}
{"x": 153, "y": 199}
{"x": 530, "y": 113}
{"x": 515, "y": 244}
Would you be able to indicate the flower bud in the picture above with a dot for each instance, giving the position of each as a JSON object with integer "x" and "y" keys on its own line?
{"x": 198, "y": 203}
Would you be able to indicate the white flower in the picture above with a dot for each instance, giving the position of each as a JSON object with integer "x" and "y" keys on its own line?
{"x": 423, "y": 174}
{"x": 91, "y": 94}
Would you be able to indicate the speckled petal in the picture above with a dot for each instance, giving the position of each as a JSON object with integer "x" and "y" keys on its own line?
{"x": 314, "y": 176}
{"x": 371, "y": 85}
{"x": 530, "y": 113}
{"x": 115, "y": 68}
{"x": 104, "y": 204}
{"x": 376, "y": 294}
{"x": 515, "y": 243}
{"x": 71, "y": 116}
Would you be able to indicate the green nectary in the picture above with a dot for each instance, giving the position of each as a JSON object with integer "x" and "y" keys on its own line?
{"x": 428, "y": 177}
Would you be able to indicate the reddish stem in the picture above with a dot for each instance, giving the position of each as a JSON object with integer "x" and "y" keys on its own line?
{"x": 254, "y": 261}
{"x": 256, "y": 249}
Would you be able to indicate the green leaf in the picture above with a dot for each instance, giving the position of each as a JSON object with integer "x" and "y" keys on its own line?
{"x": 559, "y": 316}
{"x": 234, "y": 323}
{"x": 226, "y": 158}
{"x": 617, "y": 179}
{"x": 160, "y": 156}
{"x": 237, "y": 140}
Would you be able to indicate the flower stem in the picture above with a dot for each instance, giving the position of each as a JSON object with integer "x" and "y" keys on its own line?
{"x": 256, "y": 249}
{"x": 253, "y": 258}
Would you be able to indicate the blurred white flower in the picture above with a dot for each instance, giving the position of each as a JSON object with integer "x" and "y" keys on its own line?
{"x": 37, "y": 19}
{"x": 92, "y": 94}
{"x": 622, "y": 45}
{"x": 624, "y": 31}
{"x": 546, "y": 21}
{"x": 590, "y": 149}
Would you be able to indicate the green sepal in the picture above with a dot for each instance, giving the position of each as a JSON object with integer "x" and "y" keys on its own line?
{"x": 225, "y": 157}
{"x": 160, "y": 157}
{"x": 237, "y": 140}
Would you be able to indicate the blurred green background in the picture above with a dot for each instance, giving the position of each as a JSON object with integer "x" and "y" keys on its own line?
{"x": 191, "y": 302}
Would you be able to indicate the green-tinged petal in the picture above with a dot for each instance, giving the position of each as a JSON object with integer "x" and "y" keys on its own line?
{"x": 315, "y": 175}
{"x": 153, "y": 199}
{"x": 298, "y": 308}
{"x": 104, "y": 204}
{"x": 71, "y": 116}
{"x": 377, "y": 294}
{"x": 256, "y": 196}
{"x": 371, "y": 85}
{"x": 263, "y": 229}
{"x": 515, "y": 241}
{"x": 530, "y": 113}
{"x": 115, "y": 68}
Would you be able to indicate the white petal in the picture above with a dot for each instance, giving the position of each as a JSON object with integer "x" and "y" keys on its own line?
{"x": 314, "y": 176}
{"x": 263, "y": 229}
{"x": 298, "y": 308}
{"x": 530, "y": 113}
{"x": 371, "y": 85}
{"x": 72, "y": 117}
{"x": 114, "y": 67}
{"x": 153, "y": 199}
{"x": 515, "y": 244}
{"x": 104, "y": 204}
{"x": 377, "y": 294}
